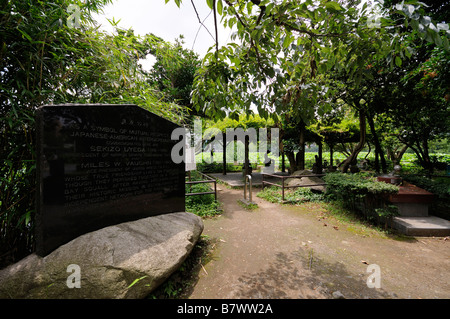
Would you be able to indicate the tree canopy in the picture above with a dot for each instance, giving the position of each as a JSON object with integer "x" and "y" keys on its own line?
{"x": 282, "y": 51}
{"x": 295, "y": 58}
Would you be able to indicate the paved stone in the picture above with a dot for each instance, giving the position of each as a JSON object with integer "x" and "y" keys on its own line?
{"x": 422, "y": 226}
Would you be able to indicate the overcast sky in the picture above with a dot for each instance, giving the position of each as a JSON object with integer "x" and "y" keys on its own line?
{"x": 166, "y": 21}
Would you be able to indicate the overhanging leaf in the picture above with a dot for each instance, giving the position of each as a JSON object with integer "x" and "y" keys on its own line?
{"x": 331, "y": 5}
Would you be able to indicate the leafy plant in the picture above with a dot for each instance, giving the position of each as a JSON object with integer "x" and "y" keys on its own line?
{"x": 297, "y": 196}
{"x": 359, "y": 192}
{"x": 387, "y": 213}
{"x": 250, "y": 206}
{"x": 201, "y": 205}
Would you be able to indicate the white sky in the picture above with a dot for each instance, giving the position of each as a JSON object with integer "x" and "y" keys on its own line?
{"x": 166, "y": 21}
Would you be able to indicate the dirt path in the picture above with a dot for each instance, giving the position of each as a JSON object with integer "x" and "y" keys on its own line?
{"x": 279, "y": 251}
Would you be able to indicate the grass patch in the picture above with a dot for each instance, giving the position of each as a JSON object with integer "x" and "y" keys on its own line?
{"x": 293, "y": 196}
{"x": 201, "y": 205}
{"x": 250, "y": 206}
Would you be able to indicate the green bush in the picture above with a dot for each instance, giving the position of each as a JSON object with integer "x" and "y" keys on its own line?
{"x": 361, "y": 193}
{"x": 299, "y": 195}
{"x": 356, "y": 184}
{"x": 201, "y": 205}
{"x": 217, "y": 167}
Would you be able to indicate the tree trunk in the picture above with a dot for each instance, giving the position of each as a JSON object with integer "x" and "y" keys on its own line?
{"x": 378, "y": 148}
{"x": 362, "y": 139}
{"x": 331, "y": 155}
{"x": 292, "y": 163}
{"x": 224, "y": 154}
{"x": 319, "y": 168}
{"x": 397, "y": 156}
{"x": 428, "y": 165}
{"x": 246, "y": 160}
{"x": 301, "y": 152}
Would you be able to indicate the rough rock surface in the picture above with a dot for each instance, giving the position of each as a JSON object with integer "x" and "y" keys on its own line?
{"x": 110, "y": 260}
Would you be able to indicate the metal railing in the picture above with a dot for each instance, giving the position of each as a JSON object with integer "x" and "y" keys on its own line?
{"x": 208, "y": 180}
{"x": 283, "y": 187}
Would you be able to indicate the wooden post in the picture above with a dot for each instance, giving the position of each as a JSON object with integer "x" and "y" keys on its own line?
{"x": 224, "y": 154}
{"x": 246, "y": 161}
{"x": 319, "y": 168}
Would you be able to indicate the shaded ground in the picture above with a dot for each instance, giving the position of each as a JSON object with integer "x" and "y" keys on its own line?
{"x": 280, "y": 251}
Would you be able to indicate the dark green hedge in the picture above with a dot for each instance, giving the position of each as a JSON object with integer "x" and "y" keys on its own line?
{"x": 361, "y": 193}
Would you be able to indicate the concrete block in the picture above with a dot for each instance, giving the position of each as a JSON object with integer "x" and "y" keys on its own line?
{"x": 422, "y": 226}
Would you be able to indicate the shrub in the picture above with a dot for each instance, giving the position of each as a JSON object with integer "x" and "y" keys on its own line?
{"x": 360, "y": 192}
{"x": 299, "y": 195}
{"x": 201, "y": 205}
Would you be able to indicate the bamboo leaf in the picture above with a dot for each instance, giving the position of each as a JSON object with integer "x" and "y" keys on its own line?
{"x": 136, "y": 281}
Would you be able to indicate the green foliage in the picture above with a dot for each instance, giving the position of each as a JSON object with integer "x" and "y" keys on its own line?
{"x": 340, "y": 184}
{"x": 249, "y": 206}
{"x": 244, "y": 121}
{"x": 201, "y": 205}
{"x": 173, "y": 72}
{"x": 297, "y": 196}
{"x": 286, "y": 49}
{"x": 387, "y": 212}
{"x": 439, "y": 188}
{"x": 360, "y": 193}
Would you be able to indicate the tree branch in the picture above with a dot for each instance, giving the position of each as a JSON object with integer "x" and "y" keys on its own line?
{"x": 228, "y": 2}
{"x": 199, "y": 21}
{"x": 215, "y": 26}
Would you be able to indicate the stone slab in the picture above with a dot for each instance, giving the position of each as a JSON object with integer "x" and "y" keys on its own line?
{"x": 412, "y": 209}
{"x": 422, "y": 226}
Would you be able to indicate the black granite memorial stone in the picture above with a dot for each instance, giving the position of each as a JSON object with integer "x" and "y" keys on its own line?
{"x": 100, "y": 165}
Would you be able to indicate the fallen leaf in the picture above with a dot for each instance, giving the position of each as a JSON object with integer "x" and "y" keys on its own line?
{"x": 325, "y": 224}
{"x": 336, "y": 227}
{"x": 364, "y": 262}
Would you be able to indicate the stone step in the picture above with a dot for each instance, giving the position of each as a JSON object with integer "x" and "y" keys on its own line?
{"x": 422, "y": 226}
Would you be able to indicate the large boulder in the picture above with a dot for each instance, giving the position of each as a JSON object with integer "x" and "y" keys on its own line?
{"x": 144, "y": 252}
